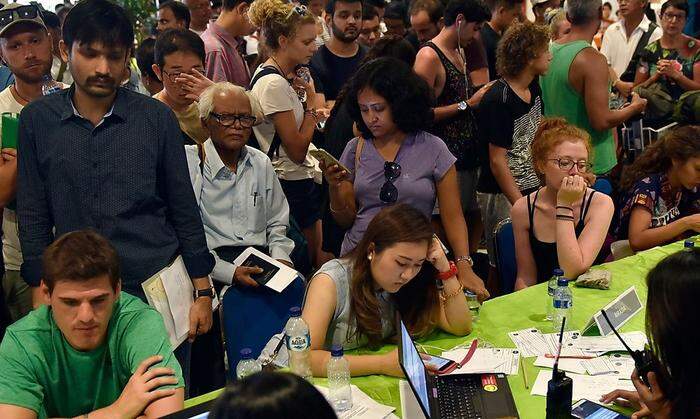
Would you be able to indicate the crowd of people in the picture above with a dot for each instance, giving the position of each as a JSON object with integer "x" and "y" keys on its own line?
{"x": 374, "y": 147}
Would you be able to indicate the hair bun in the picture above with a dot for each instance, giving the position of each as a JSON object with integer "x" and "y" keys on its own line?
{"x": 264, "y": 11}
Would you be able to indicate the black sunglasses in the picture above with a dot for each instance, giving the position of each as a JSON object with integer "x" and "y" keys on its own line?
{"x": 24, "y": 12}
{"x": 389, "y": 194}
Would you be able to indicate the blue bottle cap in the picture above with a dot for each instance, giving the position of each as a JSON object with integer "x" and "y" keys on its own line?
{"x": 563, "y": 282}
{"x": 295, "y": 311}
{"x": 337, "y": 350}
{"x": 689, "y": 244}
{"x": 246, "y": 353}
{"x": 557, "y": 272}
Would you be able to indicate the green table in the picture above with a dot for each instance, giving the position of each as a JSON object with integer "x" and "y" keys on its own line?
{"x": 517, "y": 311}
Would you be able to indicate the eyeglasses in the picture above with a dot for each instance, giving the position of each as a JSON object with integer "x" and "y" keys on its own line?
{"x": 300, "y": 10}
{"x": 24, "y": 12}
{"x": 673, "y": 16}
{"x": 227, "y": 120}
{"x": 583, "y": 166}
{"x": 173, "y": 76}
{"x": 389, "y": 194}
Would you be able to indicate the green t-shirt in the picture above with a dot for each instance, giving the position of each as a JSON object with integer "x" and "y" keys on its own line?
{"x": 39, "y": 369}
{"x": 562, "y": 100}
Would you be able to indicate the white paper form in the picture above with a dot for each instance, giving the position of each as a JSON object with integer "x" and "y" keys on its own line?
{"x": 569, "y": 343}
{"x": 568, "y": 365}
{"x": 617, "y": 365}
{"x": 156, "y": 297}
{"x": 363, "y": 406}
{"x": 602, "y": 344}
{"x": 530, "y": 342}
{"x": 180, "y": 292}
{"x": 584, "y": 386}
{"x": 486, "y": 360}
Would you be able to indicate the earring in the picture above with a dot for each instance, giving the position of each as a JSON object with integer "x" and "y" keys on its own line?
{"x": 369, "y": 258}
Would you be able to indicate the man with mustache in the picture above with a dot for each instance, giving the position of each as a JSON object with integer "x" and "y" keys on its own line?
{"x": 102, "y": 157}
{"x": 26, "y": 49}
{"x": 336, "y": 61}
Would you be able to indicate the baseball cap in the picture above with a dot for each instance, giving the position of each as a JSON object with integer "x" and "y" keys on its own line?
{"x": 15, "y": 13}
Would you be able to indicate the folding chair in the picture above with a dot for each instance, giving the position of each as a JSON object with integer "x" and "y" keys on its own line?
{"x": 252, "y": 315}
{"x": 504, "y": 246}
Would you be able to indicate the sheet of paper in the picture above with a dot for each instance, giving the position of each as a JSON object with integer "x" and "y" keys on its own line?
{"x": 584, "y": 386}
{"x": 635, "y": 340}
{"x": 618, "y": 365}
{"x": 282, "y": 278}
{"x": 156, "y": 297}
{"x": 568, "y": 365}
{"x": 363, "y": 406}
{"x": 569, "y": 343}
{"x": 486, "y": 360}
{"x": 530, "y": 342}
{"x": 179, "y": 289}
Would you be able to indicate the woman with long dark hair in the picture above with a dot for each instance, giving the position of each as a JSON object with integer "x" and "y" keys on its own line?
{"x": 395, "y": 160}
{"x": 661, "y": 200}
{"x": 397, "y": 265}
{"x": 672, "y": 319}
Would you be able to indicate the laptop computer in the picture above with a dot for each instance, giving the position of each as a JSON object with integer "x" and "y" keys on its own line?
{"x": 200, "y": 411}
{"x": 472, "y": 396}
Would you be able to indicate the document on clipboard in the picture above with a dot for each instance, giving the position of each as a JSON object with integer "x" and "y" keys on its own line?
{"x": 171, "y": 293}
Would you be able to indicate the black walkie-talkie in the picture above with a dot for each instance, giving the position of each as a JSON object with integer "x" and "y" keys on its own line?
{"x": 644, "y": 361}
{"x": 559, "y": 388}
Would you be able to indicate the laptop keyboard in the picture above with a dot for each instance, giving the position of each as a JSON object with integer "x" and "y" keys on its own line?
{"x": 455, "y": 397}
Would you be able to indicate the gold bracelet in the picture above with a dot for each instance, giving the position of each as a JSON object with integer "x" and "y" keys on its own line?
{"x": 445, "y": 297}
{"x": 330, "y": 205}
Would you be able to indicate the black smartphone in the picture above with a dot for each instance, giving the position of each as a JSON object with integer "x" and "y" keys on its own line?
{"x": 586, "y": 409}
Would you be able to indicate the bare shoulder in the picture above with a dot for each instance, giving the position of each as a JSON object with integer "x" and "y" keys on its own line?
{"x": 519, "y": 213}
{"x": 426, "y": 56}
{"x": 591, "y": 60}
{"x": 601, "y": 201}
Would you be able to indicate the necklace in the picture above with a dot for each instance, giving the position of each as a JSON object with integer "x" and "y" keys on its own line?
{"x": 284, "y": 74}
{"x": 14, "y": 88}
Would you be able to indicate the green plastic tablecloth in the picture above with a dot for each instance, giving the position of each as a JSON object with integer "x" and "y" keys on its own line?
{"x": 520, "y": 310}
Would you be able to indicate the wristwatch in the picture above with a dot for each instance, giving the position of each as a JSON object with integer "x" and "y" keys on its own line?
{"x": 206, "y": 292}
{"x": 462, "y": 106}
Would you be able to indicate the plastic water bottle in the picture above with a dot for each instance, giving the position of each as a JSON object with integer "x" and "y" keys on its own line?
{"x": 298, "y": 344}
{"x": 247, "y": 365}
{"x": 563, "y": 302}
{"x": 49, "y": 85}
{"x": 688, "y": 244}
{"x": 338, "y": 371}
{"x": 551, "y": 287}
{"x": 473, "y": 303}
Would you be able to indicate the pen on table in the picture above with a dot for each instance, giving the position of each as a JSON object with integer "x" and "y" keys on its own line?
{"x": 522, "y": 367}
{"x": 570, "y": 356}
{"x": 255, "y": 198}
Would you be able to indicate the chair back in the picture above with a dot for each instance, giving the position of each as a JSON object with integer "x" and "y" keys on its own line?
{"x": 251, "y": 316}
{"x": 504, "y": 246}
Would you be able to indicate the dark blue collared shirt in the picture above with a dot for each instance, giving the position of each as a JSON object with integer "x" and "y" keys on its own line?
{"x": 126, "y": 178}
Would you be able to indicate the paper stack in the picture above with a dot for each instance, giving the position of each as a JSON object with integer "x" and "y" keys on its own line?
{"x": 584, "y": 386}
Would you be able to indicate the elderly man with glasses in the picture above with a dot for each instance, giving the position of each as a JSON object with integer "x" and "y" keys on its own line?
{"x": 240, "y": 198}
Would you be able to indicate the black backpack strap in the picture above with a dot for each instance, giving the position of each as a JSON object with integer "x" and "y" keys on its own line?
{"x": 631, "y": 70}
{"x": 276, "y": 140}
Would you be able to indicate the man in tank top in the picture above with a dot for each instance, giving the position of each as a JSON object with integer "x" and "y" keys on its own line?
{"x": 441, "y": 64}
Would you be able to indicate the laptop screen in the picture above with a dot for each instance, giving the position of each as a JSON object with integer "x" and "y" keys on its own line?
{"x": 414, "y": 367}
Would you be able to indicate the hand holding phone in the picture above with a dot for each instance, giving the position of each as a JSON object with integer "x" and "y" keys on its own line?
{"x": 327, "y": 159}
{"x": 586, "y": 409}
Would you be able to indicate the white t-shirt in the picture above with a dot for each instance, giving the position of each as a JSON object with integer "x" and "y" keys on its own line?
{"x": 275, "y": 94}
{"x": 11, "y": 251}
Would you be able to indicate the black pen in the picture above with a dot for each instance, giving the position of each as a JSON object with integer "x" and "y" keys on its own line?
{"x": 255, "y": 197}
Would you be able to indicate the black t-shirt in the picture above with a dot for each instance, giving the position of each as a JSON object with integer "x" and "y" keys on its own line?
{"x": 489, "y": 39}
{"x": 506, "y": 121}
{"x": 330, "y": 72}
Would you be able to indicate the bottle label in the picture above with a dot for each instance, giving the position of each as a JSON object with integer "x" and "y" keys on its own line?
{"x": 298, "y": 343}
{"x": 564, "y": 304}
{"x": 550, "y": 290}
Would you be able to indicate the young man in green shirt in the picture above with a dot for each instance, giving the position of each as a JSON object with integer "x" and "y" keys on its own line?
{"x": 93, "y": 350}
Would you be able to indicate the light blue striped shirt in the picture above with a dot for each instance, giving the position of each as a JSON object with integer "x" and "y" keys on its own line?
{"x": 245, "y": 208}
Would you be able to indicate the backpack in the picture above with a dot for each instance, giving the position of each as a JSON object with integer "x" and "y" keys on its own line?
{"x": 687, "y": 109}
